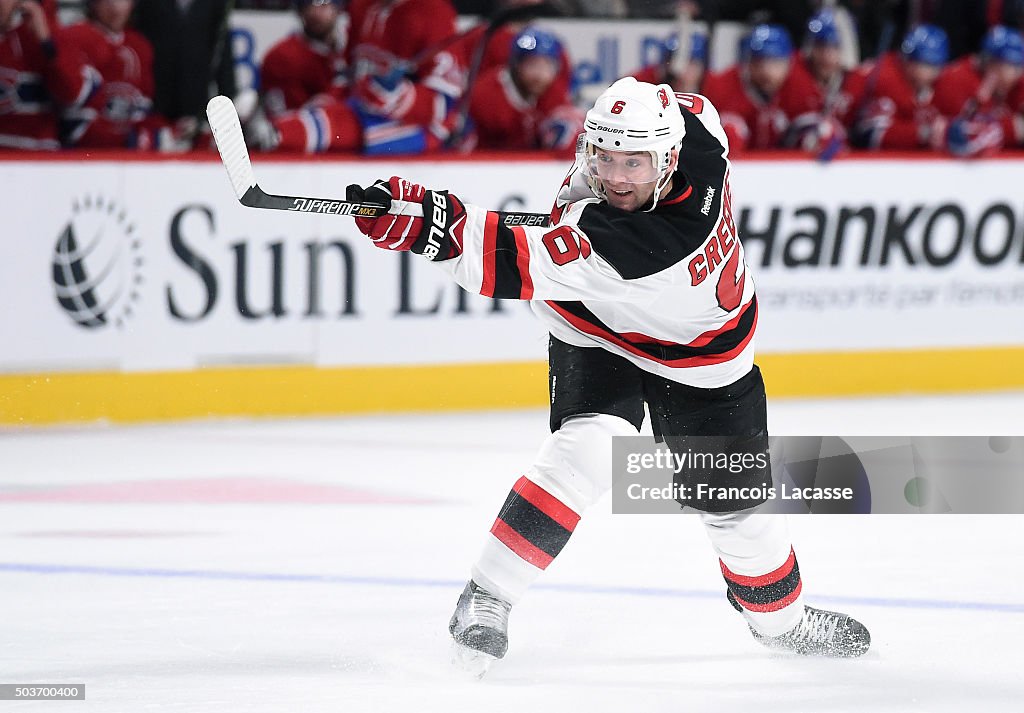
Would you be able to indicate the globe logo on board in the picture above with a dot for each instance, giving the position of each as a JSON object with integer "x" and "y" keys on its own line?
{"x": 96, "y": 264}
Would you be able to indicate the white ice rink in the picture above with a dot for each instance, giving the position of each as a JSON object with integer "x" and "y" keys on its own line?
{"x": 313, "y": 565}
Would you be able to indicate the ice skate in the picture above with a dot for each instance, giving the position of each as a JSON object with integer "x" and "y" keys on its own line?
{"x": 821, "y": 633}
{"x": 479, "y": 628}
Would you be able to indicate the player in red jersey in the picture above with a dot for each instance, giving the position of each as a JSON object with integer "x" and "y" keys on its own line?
{"x": 985, "y": 95}
{"x": 759, "y": 97}
{"x": 119, "y": 114}
{"x": 402, "y": 90}
{"x": 498, "y": 52}
{"x": 900, "y": 112}
{"x": 309, "y": 65}
{"x": 38, "y": 75}
{"x": 304, "y": 88}
{"x": 641, "y": 280}
{"x": 404, "y": 99}
{"x": 819, "y": 78}
{"x": 506, "y": 103}
{"x": 692, "y": 76}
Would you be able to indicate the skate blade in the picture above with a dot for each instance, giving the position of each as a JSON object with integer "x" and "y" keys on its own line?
{"x": 470, "y": 661}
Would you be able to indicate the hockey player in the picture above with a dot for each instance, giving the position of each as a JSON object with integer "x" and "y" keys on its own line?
{"x": 119, "y": 113}
{"x": 401, "y": 91}
{"x": 641, "y": 281}
{"x": 759, "y": 97}
{"x": 308, "y": 66}
{"x": 834, "y": 92}
{"x": 900, "y": 113}
{"x": 498, "y": 53}
{"x": 304, "y": 88}
{"x": 985, "y": 94}
{"x": 505, "y": 106}
{"x": 404, "y": 102}
{"x": 692, "y": 76}
{"x": 38, "y": 75}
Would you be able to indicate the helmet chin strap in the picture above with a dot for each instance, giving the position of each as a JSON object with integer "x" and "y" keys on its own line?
{"x": 663, "y": 180}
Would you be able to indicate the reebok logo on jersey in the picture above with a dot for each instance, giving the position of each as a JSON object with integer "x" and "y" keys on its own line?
{"x": 708, "y": 197}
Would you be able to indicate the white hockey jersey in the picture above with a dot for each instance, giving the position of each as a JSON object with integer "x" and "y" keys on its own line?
{"x": 666, "y": 289}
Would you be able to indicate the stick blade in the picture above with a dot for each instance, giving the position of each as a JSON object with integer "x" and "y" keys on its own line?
{"x": 227, "y": 133}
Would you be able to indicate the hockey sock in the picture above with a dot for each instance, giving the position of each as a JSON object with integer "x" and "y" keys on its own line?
{"x": 768, "y": 592}
{"x": 760, "y": 569}
{"x": 531, "y": 529}
{"x": 571, "y": 472}
{"x": 534, "y": 524}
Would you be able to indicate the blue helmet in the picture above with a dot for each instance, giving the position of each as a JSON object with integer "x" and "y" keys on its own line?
{"x": 822, "y": 29}
{"x": 698, "y": 47}
{"x": 1003, "y": 45}
{"x": 767, "y": 42}
{"x": 926, "y": 43}
{"x": 535, "y": 42}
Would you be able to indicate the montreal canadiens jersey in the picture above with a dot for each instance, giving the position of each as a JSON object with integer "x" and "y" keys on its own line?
{"x": 666, "y": 289}
{"x": 384, "y": 34}
{"x": 503, "y": 118}
{"x": 960, "y": 92}
{"x": 36, "y": 82}
{"x": 124, "y": 62}
{"x": 896, "y": 111}
{"x": 299, "y": 69}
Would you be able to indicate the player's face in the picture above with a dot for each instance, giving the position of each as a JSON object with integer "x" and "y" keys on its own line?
{"x": 1004, "y": 77}
{"x": 629, "y": 177}
{"x": 825, "y": 61}
{"x": 922, "y": 76}
{"x": 113, "y": 14}
{"x": 768, "y": 74}
{"x": 534, "y": 75}
{"x": 319, "y": 18}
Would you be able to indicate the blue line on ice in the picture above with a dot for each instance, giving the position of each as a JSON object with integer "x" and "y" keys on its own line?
{"x": 887, "y": 602}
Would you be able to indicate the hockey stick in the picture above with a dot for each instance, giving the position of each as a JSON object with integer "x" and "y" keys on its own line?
{"x": 227, "y": 133}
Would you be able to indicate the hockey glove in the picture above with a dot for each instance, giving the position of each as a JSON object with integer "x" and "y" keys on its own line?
{"x": 436, "y": 233}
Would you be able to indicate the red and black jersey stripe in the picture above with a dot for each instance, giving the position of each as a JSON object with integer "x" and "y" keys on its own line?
{"x": 713, "y": 347}
{"x": 534, "y": 524}
{"x": 506, "y": 256}
{"x": 768, "y": 592}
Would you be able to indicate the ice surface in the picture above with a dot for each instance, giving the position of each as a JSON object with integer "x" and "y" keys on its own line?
{"x": 313, "y": 565}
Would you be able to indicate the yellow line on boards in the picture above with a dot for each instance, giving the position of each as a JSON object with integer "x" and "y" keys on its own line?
{"x": 891, "y": 372}
{"x": 267, "y": 391}
{"x": 126, "y": 397}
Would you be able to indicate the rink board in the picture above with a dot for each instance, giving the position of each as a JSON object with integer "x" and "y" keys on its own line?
{"x": 140, "y": 290}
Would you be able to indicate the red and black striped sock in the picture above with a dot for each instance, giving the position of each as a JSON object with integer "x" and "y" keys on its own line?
{"x": 534, "y": 524}
{"x": 767, "y": 592}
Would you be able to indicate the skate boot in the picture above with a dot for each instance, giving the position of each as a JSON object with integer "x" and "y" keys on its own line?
{"x": 819, "y": 633}
{"x": 479, "y": 627}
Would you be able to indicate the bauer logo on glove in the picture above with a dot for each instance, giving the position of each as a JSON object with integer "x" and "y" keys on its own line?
{"x": 429, "y": 223}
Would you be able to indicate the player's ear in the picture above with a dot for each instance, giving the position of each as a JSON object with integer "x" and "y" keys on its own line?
{"x": 673, "y": 161}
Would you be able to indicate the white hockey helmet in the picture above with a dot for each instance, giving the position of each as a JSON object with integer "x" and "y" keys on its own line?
{"x": 634, "y": 116}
